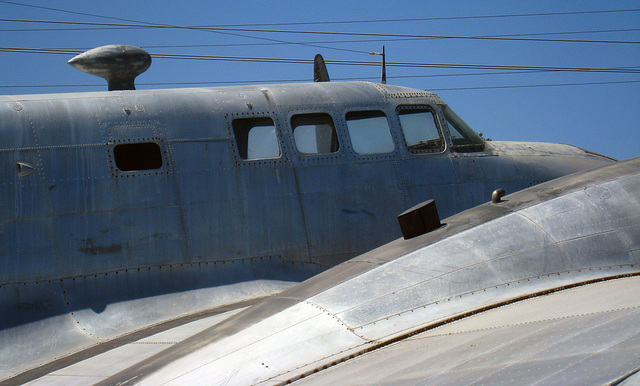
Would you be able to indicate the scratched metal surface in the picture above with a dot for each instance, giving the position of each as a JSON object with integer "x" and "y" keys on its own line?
{"x": 574, "y": 230}
{"x": 89, "y": 252}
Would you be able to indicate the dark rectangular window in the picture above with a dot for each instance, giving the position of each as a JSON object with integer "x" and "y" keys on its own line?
{"x": 138, "y": 156}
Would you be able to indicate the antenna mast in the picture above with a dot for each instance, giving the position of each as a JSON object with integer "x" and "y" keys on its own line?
{"x": 383, "y": 79}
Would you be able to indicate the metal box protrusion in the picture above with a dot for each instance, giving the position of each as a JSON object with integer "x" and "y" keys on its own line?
{"x": 420, "y": 219}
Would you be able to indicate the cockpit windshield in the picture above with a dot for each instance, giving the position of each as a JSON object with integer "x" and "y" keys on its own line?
{"x": 463, "y": 138}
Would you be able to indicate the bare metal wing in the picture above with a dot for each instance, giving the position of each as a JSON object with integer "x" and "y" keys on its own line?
{"x": 581, "y": 336}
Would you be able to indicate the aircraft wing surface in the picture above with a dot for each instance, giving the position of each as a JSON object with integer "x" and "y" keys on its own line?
{"x": 583, "y": 335}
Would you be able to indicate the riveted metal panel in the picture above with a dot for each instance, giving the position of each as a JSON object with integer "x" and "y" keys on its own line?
{"x": 584, "y": 335}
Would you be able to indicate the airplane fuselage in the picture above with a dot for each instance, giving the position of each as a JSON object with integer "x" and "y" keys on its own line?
{"x": 112, "y": 197}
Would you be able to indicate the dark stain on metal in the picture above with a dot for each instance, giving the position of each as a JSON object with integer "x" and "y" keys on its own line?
{"x": 363, "y": 211}
{"x": 91, "y": 248}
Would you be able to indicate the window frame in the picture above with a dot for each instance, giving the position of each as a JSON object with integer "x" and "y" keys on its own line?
{"x": 115, "y": 164}
{"x": 355, "y": 145}
{"x": 437, "y": 125}
{"x": 306, "y": 120}
{"x": 241, "y": 128}
{"x": 474, "y": 142}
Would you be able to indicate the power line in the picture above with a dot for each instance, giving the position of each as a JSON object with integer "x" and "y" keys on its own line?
{"x": 157, "y": 25}
{"x": 283, "y": 80}
{"x": 433, "y": 18}
{"x": 533, "y": 85}
{"x": 59, "y": 51}
{"x": 303, "y": 42}
{"x": 628, "y": 70}
{"x": 354, "y": 21}
{"x": 63, "y": 29}
{"x": 387, "y": 40}
{"x": 339, "y": 79}
{"x": 334, "y": 33}
{"x": 406, "y": 64}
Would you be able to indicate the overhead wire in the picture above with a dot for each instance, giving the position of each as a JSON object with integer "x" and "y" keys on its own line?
{"x": 383, "y": 40}
{"x": 334, "y": 33}
{"x": 353, "y": 21}
{"x": 533, "y": 85}
{"x": 351, "y": 62}
{"x": 405, "y": 64}
{"x": 203, "y": 83}
{"x": 158, "y": 25}
{"x": 314, "y": 42}
{"x": 441, "y": 18}
{"x": 232, "y": 29}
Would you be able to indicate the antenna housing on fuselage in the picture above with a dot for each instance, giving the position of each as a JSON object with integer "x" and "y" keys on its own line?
{"x": 118, "y": 64}
{"x": 320, "y": 73}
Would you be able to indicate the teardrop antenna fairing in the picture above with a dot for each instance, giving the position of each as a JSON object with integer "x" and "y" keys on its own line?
{"x": 320, "y": 73}
{"x": 118, "y": 64}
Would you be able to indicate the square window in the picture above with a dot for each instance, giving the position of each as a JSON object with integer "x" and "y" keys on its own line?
{"x": 256, "y": 138}
{"x": 369, "y": 132}
{"x": 314, "y": 133}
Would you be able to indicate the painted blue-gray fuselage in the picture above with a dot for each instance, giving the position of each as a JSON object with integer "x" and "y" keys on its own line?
{"x": 194, "y": 198}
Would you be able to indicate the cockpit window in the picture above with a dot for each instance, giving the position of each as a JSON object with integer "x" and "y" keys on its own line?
{"x": 420, "y": 130}
{"x": 463, "y": 138}
{"x": 314, "y": 133}
{"x": 256, "y": 138}
{"x": 369, "y": 132}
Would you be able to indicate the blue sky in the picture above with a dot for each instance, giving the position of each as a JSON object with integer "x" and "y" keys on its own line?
{"x": 594, "y": 110}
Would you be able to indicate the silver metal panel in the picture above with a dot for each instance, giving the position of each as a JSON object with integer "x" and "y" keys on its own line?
{"x": 584, "y": 335}
{"x": 71, "y": 381}
{"x": 97, "y": 368}
{"x": 258, "y": 356}
{"x": 65, "y": 334}
{"x": 553, "y": 251}
{"x": 55, "y": 337}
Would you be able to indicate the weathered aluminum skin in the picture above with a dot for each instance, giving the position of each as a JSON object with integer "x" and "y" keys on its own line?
{"x": 586, "y": 335}
{"x": 89, "y": 252}
{"x": 574, "y": 230}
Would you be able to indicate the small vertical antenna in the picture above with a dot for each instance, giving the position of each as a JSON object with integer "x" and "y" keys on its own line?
{"x": 384, "y": 67}
{"x": 383, "y": 80}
